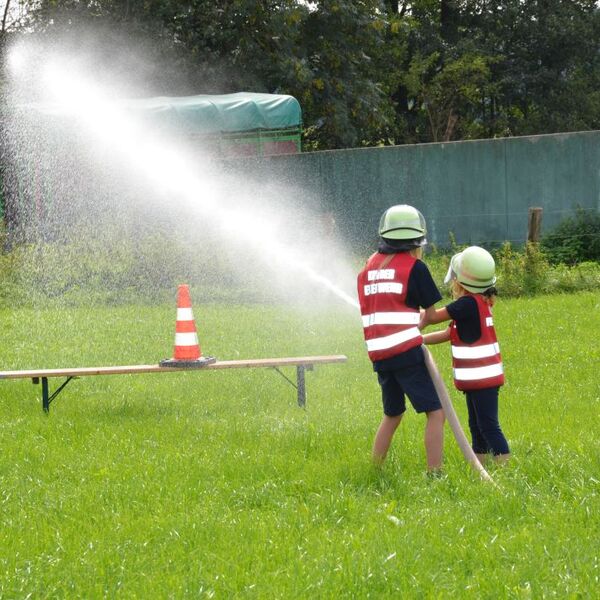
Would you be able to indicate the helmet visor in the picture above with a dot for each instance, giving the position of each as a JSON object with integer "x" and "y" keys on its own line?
{"x": 452, "y": 267}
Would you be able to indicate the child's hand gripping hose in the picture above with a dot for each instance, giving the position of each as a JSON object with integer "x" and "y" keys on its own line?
{"x": 442, "y": 393}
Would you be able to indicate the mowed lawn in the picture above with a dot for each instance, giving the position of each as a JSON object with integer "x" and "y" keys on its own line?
{"x": 215, "y": 484}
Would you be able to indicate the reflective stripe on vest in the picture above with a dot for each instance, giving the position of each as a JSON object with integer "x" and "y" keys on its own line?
{"x": 477, "y": 373}
{"x": 475, "y": 351}
{"x": 395, "y": 339}
{"x": 391, "y": 318}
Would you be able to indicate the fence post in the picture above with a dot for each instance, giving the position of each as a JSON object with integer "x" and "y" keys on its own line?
{"x": 534, "y": 224}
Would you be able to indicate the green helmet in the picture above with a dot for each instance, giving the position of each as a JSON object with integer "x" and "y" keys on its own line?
{"x": 402, "y": 222}
{"x": 474, "y": 269}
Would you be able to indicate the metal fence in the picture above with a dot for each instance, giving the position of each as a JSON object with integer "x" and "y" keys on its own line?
{"x": 477, "y": 191}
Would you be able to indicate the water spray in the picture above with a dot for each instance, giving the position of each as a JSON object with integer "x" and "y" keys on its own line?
{"x": 165, "y": 165}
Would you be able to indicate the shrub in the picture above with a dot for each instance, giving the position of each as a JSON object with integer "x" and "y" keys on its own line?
{"x": 510, "y": 269}
{"x": 528, "y": 272}
{"x": 574, "y": 240}
{"x": 585, "y": 276}
{"x": 535, "y": 269}
{"x": 101, "y": 271}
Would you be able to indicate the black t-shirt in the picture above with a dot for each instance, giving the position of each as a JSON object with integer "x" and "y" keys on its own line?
{"x": 464, "y": 311}
{"x": 421, "y": 292}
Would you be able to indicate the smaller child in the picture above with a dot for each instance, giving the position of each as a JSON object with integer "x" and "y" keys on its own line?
{"x": 476, "y": 360}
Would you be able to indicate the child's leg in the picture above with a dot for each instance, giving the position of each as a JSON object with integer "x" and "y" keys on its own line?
{"x": 392, "y": 396}
{"x": 485, "y": 404}
{"x": 434, "y": 438}
{"x": 383, "y": 437}
{"x": 478, "y": 442}
{"x": 419, "y": 387}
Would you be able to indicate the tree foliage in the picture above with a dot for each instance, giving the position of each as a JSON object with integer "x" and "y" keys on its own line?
{"x": 366, "y": 72}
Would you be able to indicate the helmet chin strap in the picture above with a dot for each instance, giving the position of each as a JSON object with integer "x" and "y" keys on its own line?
{"x": 401, "y": 245}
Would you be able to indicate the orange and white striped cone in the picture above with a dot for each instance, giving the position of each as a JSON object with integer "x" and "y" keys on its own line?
{"x": 187, "y": 351}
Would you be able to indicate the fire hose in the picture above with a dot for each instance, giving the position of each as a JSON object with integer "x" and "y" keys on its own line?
{"x": 453, "y": 421}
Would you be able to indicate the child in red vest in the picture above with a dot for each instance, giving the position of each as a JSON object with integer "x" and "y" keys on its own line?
{"x": 392, "y": 287}
{"x": 476, "y": 360}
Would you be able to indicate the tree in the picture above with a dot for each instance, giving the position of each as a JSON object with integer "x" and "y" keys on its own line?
{"x": 511, "y": 67}
{"x": 327, "y": 55}
{"x": 341, "y": 74}
{"x": 366, "y": 72}
{"x": 449, "y": 95}
{"x": 547, "y": 64}
{"x": 444, "y": 78}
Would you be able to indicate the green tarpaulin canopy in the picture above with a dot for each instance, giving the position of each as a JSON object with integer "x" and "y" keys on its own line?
{"x": 203, "y": 114}
{"x": 231, "y": 118}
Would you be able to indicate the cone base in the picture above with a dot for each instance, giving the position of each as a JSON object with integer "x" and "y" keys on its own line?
{"x": 188, "y": 364}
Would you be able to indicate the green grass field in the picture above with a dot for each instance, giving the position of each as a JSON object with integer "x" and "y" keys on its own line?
{"x": 215, "y": 484}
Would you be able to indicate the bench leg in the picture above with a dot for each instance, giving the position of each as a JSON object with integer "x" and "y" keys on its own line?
{"x": 46, "y": 397}
{"x": 301, "y": 386}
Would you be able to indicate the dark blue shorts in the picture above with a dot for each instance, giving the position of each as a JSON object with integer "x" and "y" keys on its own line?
{"x": 413, "y": 381}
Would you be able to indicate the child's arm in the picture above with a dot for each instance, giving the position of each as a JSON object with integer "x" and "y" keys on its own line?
{"x": 437, "y": 337}
{"x": 431, "y": 316}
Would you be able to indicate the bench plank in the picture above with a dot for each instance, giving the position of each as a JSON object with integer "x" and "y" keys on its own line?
{"x": 123, "y": 370}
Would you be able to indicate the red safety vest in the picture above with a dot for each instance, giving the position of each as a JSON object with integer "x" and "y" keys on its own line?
{"x": 479, "y": 365}
{"x": 390, "y": 327}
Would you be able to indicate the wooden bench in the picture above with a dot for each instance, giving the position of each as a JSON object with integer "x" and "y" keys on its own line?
{"x": 302, "y": 364}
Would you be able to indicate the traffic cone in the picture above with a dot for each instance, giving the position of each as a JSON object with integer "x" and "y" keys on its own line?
{"x": 187, "y": 351}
